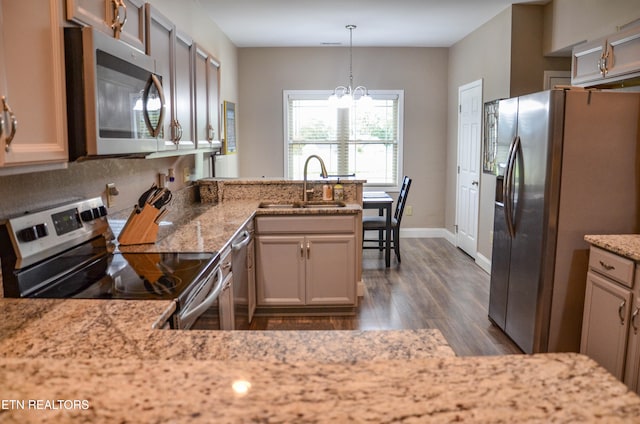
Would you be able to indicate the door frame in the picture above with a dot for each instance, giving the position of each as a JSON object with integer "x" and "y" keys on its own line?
{"x": 477, "y": 84}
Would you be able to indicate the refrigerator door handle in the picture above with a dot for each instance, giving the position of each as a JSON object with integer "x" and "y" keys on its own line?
{"x": 508, "y": 186}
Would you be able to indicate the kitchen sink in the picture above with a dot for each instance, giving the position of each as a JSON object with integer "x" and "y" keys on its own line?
{"x": 280, "y": 205}
{"x": 296, "y": 205}
{"x": 324, "y": 204}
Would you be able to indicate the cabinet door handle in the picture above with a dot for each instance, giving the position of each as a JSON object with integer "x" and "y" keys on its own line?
{"x": 607, "y": 266}
{"x": 301, "y": 250}
{"x": 633, "y": 320}
{"x": 14, "y": 123}
{"x": 118, "y": 23}
{"x": 621, "y": 310}
{"x": 308, "y": 250}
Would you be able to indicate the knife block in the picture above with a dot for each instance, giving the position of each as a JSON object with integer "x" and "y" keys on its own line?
{"x": 141, "y": 227}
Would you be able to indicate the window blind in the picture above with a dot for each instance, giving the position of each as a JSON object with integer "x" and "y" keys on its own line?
{"x": 360, "y": 140}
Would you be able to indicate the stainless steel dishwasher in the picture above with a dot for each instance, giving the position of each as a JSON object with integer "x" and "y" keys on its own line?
{"x": 244, "y": 288}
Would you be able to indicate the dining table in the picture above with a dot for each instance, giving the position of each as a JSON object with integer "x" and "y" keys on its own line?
{"x": 381, "y": 201}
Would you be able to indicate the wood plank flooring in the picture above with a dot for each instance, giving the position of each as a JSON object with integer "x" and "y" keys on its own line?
{"x": 435, "y": 286}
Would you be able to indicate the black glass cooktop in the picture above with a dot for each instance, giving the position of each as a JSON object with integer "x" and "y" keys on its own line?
{"x": 131, "y": 276}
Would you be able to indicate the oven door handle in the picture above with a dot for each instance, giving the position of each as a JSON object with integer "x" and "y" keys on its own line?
{"x": 191, "y": 314}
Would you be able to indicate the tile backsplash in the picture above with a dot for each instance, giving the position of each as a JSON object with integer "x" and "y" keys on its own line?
{"x": 27, "y": 192}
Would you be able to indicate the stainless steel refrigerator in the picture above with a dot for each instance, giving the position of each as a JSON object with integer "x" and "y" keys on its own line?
{"x": 568, "y": 166}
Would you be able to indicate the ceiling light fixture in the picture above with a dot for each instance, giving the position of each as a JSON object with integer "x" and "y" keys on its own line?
{"x": 342, "y": 96}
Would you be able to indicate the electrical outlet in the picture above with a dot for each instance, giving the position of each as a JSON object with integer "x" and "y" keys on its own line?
{"x": 112, "y": 191}
{"x": 409, "y": 210}
{"x": 186, "y": 174}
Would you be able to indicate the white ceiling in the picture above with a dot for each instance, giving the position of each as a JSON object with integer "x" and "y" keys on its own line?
{"x": 380, "y": 23}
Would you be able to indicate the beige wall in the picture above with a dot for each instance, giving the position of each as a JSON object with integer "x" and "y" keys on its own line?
{"x": 88, "y": 179}
{"x": 420, "y": 72}
{"x": 486, "y": 55}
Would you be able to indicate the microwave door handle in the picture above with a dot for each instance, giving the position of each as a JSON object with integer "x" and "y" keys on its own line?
{"x": 153, "y": 81}
{"x": 192, "y": 314}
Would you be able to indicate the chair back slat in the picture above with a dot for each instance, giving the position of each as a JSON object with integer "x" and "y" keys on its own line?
{"x": 402, "y": 199}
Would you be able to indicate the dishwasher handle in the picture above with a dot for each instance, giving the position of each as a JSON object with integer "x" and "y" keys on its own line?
{"x": 192, "y": 314}
{"x": 237, "y": 245}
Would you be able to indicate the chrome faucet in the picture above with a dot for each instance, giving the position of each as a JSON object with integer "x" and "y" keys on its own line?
{"x": 306, "y": 192}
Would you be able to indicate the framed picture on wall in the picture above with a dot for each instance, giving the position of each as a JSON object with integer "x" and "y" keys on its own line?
{"x": 229, "y": 141}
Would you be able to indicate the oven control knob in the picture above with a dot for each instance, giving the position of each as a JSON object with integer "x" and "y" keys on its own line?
{"x": 33, "y": 233}
{"x": 99, "y": 212}
{"x": 42, "y": 230}
{"x": 87, "y": 215}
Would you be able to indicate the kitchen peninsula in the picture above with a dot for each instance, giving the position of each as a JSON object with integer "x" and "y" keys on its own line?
{"x": 107, "y": 353}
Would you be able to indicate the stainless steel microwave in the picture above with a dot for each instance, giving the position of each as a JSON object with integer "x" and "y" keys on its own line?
{"x": 115, "y": 102}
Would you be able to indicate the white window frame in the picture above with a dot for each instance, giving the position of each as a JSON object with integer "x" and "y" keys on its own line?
{"x": 314, "y": 94}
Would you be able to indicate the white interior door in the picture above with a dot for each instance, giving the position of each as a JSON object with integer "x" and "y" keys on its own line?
{"x": 468, "y": 198}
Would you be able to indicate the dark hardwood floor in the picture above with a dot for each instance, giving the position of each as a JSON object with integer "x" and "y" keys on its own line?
{"x": 435, "y": 286}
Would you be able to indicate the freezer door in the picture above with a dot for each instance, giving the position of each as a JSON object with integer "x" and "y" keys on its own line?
{"x": 533, "y": 194}
{"x": 500, "y": 259}
{"x": 501, "y": 253}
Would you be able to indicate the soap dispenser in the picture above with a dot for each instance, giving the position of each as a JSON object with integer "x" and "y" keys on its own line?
{"x": 338, "y": 191}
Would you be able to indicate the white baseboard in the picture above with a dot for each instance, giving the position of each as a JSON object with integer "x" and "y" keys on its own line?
{"x": 423, "y": 233}
{"x": 483, "y": 263}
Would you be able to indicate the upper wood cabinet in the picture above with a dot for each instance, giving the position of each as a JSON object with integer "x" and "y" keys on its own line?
{"x": 207, "y": 100}
{"x": 123, "y": 19}
{"x": 608, "y": 60}
{"x": 33, "y": 122}
{"x": 174, "y": 55}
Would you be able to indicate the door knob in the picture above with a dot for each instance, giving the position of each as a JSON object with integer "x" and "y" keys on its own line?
{"x": 474, "y": 183}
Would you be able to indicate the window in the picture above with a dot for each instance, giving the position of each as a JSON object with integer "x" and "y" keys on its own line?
{"x": 365, "y": 140}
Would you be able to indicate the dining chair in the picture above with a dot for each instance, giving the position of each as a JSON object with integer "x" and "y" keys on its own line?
{"x": 379, "y": 223}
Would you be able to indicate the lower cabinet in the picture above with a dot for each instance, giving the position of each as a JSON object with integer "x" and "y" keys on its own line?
{"x": 310, "y": 261}
{"x": 610, "y": 319}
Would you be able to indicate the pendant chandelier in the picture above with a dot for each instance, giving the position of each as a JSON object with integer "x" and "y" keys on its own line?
{"x": 344, "y": 97}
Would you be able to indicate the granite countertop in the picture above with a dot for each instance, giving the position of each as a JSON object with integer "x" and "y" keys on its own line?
{"x": 99, "y": 361}
{"x": 627, "y": 245}
{"x": 67, "y": 360}
{"x": 505, "y": 389}
{"x": 214, "y": 226}
{"x": 122, "y": 329}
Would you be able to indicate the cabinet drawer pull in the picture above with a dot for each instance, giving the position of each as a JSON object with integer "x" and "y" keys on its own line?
{"x": 633, "y": 320}
{"x": 606, "y": 266}
{"x": 308, "y": 250}
{"x": 301, "y": 250}
{"x": 621, "y": 310}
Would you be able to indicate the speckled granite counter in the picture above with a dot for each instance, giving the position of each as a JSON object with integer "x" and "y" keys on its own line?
{"x": 540, "y": 388}
{"x": 211, "y": 227}
{"x": 50, "y": 328}
{"x": 627, "y": 245}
